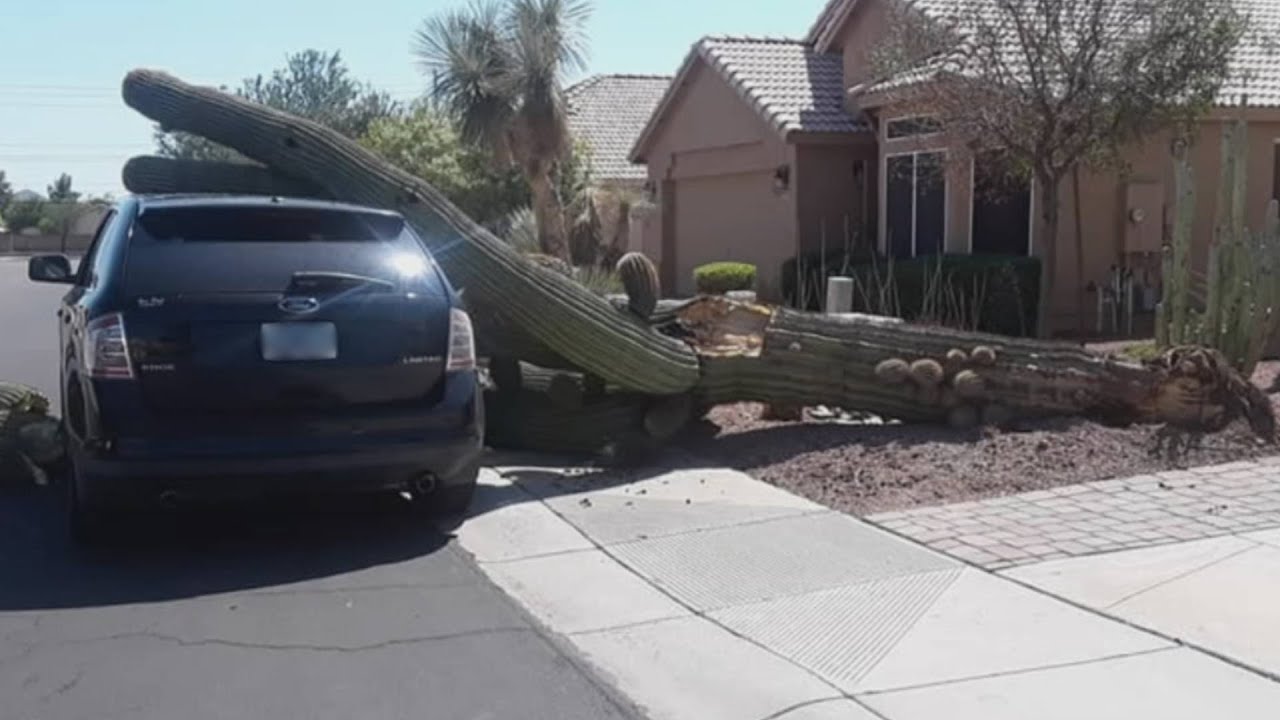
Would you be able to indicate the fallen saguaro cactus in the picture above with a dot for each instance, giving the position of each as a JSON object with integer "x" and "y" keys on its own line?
{"x": 646, "y": 369}
{"x": 149, "y": 174}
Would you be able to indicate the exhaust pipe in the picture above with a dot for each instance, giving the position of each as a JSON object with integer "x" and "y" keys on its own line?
{"x": 423, "y": 485}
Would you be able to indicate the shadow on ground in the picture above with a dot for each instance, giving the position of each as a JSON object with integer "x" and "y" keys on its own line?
{"x": 182, "y": 554}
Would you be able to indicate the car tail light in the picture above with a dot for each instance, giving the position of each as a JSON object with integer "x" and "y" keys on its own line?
{"x": 462, "y": 342}
{"x": 107, "y": 349}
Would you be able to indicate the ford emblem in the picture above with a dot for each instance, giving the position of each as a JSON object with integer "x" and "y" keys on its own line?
{"x": 299, "y": 305}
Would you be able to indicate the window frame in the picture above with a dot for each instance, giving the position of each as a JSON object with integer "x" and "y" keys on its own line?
{"x": 86, "y": 274}
{"x": 935, "y": 121}
{"x": 946, "y": 197}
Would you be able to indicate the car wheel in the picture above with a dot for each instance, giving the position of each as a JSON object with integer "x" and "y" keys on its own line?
{"x": 88, "y": 523}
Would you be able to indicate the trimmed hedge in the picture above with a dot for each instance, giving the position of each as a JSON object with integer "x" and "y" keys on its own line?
{"x": 722, "y": 277}
{"x": 1008, "y": 303}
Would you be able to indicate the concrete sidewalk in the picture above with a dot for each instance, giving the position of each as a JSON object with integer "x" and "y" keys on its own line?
{"x": 707, "y": 594}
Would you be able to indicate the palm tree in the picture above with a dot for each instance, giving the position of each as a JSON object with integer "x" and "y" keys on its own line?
{"x": 499, "y": 70}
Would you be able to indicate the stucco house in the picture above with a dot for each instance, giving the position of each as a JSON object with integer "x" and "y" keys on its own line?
{"x": 764, "y": 148}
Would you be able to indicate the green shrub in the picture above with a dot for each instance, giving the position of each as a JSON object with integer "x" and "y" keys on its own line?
{"x": 601, "y": 281}
{"x": 722, "y": 277}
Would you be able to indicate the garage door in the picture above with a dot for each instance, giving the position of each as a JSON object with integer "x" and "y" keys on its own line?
{"x": 731, "y": 217}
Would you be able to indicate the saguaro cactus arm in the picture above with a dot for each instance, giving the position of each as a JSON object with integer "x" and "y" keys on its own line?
{"x": 151, "y": 174}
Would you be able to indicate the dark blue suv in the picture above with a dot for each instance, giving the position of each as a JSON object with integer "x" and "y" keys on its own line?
{"x": 232, "y": 346}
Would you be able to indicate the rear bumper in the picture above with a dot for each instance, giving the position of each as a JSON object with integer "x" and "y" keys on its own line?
{"x": 386, "y": 451}
{"x": 107, "y": 480}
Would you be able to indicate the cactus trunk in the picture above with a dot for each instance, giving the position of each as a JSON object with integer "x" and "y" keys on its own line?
{"x": 1178, "y": 270}
{"x": 1243, "y": 282}
{"x": 149, "y": 174}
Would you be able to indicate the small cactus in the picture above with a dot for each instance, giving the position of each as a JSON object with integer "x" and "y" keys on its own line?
{"x": 926, "y": 372}
{"x": 984, "y": 355}
{"x": 640, "y": 280}
{"x": 893, "y": 371}
{"x": 968, "y": 384}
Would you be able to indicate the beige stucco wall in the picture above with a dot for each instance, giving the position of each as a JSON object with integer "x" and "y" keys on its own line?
{"x": 863, "y": 31}
{"x": 830, "y": 200}
{"x": 736, "y": 218}
{"x": 1106, "y": 209}
{"x": 721, "y": 157}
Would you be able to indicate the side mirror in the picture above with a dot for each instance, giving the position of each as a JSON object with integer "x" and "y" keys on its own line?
{"x": 50, "y": 269}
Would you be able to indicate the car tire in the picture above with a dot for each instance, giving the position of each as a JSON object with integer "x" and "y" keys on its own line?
{"x": 88, "y": 523}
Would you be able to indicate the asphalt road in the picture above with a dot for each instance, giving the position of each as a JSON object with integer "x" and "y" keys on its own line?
{"x": 321, "y": 609}
{"x": 28, "y": 328}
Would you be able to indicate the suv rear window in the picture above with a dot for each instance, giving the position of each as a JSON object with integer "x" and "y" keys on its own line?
{"x": 238, "y": 249}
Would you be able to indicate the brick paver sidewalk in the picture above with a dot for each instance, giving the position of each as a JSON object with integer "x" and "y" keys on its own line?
{"x": 1101, "y": 516}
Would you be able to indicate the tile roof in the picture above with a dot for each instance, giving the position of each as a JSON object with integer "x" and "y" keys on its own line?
{"x": 608, "y": 113}
{"x": 793, "y": 88}
{"x": 1255, "y": 68}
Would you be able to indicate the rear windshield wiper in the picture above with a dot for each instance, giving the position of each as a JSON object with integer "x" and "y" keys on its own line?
{"x": 327, "y": 282}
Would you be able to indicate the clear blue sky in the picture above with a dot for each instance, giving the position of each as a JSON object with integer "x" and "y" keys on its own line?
{"x": 59, "y": 90}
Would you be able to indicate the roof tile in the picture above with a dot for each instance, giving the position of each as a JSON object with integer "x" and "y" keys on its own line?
{"x": 1255, "y": 68}
{"x": 794, "y": 88}
{"x": 608, "y": 113}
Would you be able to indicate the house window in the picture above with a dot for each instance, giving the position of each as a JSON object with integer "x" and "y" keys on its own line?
{"x": 913, "y": 127}
{"x": 916, "y": 204}
{"x": 1001, "y": 209}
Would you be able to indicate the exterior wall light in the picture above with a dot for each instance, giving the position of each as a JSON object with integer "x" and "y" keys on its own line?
{"x": 782, "y": 179}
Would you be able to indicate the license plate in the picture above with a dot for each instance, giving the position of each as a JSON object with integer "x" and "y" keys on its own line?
{"x": 285, "y": 342}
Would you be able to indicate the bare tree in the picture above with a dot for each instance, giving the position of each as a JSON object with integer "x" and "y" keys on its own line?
{"x": 1054, "y": 84}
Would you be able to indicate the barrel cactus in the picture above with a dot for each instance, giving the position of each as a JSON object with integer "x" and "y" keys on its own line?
{"x": 640, "y": 279}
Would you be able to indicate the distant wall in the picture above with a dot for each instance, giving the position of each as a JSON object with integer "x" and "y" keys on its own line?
{"x": 19, "y": 244}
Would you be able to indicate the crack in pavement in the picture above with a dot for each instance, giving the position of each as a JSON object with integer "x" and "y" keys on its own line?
{"x": 1179, "y": 576}
{"x": 64, "y": 687}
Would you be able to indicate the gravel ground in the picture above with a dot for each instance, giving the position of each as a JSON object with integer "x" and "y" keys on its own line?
{"x": 870, "y": 469}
